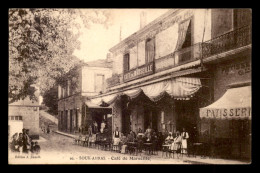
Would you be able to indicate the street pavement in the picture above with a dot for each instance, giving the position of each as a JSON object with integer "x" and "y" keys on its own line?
{"x": 60, "y": 149}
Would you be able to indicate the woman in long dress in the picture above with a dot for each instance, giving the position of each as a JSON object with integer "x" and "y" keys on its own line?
{"x": 176, "y": 145}
{"x": 185, "y": 136}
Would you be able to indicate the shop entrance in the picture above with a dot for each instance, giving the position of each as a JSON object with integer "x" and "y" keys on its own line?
{"x": 187, "y": 115}
{"x": 151, "y": 118}
{"x": 126, "y": 124}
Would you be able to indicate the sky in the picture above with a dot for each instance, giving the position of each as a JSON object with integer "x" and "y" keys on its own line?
{"x": 97, "y": 40}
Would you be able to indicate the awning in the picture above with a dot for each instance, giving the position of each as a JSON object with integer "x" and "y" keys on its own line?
{"x": 93, "y": 107}
{"x": 97, "y": 101}
{"x": 234, "y": 104}
{"x": 107, "y": 99}
{"x": 184, "y": 88}
{"x": 181, "y": 88}
{"x": 156, "y": 91}
{"x": 133, "y": 93}
{"x": 110, "y": 98}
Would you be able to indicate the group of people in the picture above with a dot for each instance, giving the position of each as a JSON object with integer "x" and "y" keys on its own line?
{"x": 22, "y": 143}
{"x": 46, "y": 130}
{"x": 149, "y": 136}
{"x": 177, "y": 143}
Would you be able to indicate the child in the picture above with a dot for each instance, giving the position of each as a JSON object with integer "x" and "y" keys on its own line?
{"x": 37, "y": 148}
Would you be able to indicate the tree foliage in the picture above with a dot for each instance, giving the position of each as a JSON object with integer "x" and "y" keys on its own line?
{"x": 41, "y": 46}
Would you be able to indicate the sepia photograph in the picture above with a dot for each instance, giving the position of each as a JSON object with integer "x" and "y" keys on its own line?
{"x": 129, "y": 86}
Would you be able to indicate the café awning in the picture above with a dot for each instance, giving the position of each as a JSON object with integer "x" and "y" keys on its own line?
{"x": 234, "y": 104}
{"x": 133, "y": 93}
{"x": 109, "y": 99}
{"x": 93, "y": 107}
{"x": 180, "y": 88}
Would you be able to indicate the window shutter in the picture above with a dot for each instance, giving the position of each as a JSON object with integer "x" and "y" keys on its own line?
{"x": 126, "y": 62}
{"x": 182, "y": 34}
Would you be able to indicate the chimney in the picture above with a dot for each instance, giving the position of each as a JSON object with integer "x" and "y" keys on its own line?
{"x": 142, "y": 19}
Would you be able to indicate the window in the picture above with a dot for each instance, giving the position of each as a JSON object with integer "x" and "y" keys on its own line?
{"x": 149, "y": 50}
{"x": 99, "y": 83}
{"x": 187, "y": 42}
{"x": 184, "y": 39}
{"x": 126, "y": 62}
{"x": 242, "y": 17}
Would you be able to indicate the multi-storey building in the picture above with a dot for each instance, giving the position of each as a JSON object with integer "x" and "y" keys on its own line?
{"x": 76, "y": 87}
{"x": 181, "y": 62}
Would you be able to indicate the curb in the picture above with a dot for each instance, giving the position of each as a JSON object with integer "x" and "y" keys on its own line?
{"x": 64, "y": 134}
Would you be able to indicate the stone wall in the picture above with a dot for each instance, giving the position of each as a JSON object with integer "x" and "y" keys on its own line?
{"x": 30, "y": 117}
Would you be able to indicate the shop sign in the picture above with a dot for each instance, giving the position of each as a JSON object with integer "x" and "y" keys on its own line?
{"x": 233, "y": 113}
{"x": 139, "y": 72}
{"x": 240, "y": 68}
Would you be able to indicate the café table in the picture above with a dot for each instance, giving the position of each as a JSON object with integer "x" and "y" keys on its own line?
{"x": 165, "y": 149}
{"x": 148, "y": 147}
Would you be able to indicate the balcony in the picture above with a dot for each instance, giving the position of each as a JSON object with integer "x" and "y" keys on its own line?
{"x": 174, "y": 59}
{"x": 179, "y": 57}
{"x": 231, "y": 40}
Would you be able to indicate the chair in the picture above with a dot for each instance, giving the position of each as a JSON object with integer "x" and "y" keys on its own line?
{"x": 85, "y": 141}
{"x": 165, "y": 150}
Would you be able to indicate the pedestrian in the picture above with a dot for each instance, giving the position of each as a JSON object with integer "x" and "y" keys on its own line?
{"x": 32, "y": 147}
{"x": 14, "y": 143}
{"x": 116, "y": 136}
{"x": 48, "y": 129}
{"x": 185, "y": 136}
{"x": 103, "y": 125}
{"x": 20, "y": 143}
{"x": 37, "y": 148}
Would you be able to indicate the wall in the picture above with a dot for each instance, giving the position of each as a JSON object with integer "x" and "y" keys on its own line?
{"x": 88, "y": 77}
{"x": 29, "y": 115}
{"x": 70, "y": 103}
{"x": 117, "y": 115}
{"x": 202, "y": 18}
{"x": 137, "y": 118}
{"x": 166, "y": 37}
{"x": 222, "y": 21}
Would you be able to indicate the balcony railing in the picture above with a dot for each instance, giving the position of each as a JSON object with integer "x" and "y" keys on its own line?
{"x": 178, "y": 57}
{"x": 231, "y": 40}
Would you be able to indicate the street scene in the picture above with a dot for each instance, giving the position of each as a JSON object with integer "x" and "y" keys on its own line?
{"x": 129, "y": 86}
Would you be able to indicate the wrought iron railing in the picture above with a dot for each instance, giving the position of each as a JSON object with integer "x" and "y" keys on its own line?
{"x": 179, "y": 57}
{"x": 231, "y": 40}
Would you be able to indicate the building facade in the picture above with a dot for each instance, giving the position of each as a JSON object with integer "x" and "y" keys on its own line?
{"x": 76, "y": 88}
{"x": 180, "y": 62}
{"x": 24, "y": 114}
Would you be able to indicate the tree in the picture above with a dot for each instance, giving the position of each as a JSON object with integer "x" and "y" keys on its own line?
{"x": 41, "y": 46}
{"x": 50, "y": 99}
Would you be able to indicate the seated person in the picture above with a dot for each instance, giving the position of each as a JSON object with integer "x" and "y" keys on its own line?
{"x": 176, "y": 145}
{"x": 123, "y": 143}
{"x": 37, "y": 148}
{"x": 169, "y": 139}
{"x": 131, "y": 137}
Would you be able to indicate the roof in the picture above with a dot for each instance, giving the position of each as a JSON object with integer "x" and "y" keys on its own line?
{"x": 98, "y": 63}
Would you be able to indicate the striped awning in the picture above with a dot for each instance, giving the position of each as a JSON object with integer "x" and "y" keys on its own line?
{"x": 234, "y": 104}
{"x": 181, "y": 88}
{"x": 133, "y": 93}
{"x": 109, "y": 99}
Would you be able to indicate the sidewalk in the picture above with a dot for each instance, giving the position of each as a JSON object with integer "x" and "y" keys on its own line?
{"x": 195, "y": 160}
